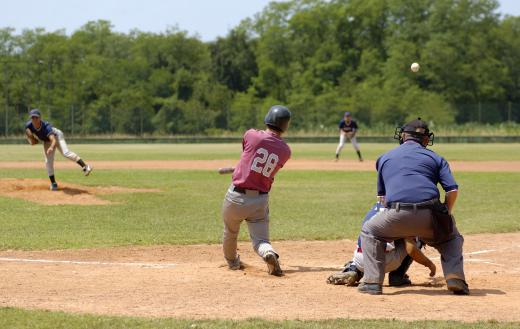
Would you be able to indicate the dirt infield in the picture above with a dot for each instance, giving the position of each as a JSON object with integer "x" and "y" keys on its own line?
{"x": 193, "y": 282}
{"x": 294, "y": 164}
{"x": 37, "y": 190}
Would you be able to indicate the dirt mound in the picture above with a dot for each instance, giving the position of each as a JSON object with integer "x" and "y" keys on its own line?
{"x": 194, "y": 282}
{"x": 37, "y": 190}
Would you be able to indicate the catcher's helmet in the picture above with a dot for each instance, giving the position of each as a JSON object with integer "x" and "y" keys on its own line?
{"x": 416, "y": 129}
{"x": 278, "y": 118}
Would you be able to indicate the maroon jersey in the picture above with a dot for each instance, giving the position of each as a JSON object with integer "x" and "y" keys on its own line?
{"x": 264, "y": 153}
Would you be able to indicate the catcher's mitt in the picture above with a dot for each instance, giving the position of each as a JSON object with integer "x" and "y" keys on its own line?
{"x": 349, "y": 276}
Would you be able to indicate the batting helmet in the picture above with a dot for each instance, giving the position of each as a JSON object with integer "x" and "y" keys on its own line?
{"x": 416, "y": 130}
{"x": 278, "y": 118}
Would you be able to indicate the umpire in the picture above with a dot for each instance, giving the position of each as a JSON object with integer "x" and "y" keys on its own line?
{"x": 407, "y": 183}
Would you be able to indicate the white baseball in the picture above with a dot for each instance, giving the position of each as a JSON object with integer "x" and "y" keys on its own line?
{"x": 415, "y": 67}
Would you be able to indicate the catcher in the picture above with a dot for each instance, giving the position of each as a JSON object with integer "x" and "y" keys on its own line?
{"x": 399, "y": 255}
{"x": 38, "y": 130}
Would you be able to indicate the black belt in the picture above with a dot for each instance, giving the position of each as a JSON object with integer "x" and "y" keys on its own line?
{"x": 421, "y": 205}
{"x": 243, "y": 190}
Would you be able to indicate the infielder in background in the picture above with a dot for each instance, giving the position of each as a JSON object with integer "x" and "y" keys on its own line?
{"x": 407, "y": 184}
{"x": 399, "y": 255}
{"x": 263, "y": 153}
{"x": 347, "y": 129}
{"x": 52, "y": 138}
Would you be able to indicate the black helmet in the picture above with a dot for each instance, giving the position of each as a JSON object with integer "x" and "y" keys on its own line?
{"x": 278, "y": 118}
{"x": 417, "y": 129}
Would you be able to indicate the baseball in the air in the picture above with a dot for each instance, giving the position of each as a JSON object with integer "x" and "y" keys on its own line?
{"x": 414, "y": 67}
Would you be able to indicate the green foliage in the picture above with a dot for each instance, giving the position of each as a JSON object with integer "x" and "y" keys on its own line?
{"x": 319, "y": 57}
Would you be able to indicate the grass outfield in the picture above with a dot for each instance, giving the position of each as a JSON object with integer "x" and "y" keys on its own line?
{"x": 475, "y": 152}
{"x": 304, "y": 205}
{"x": 16, "y": 318}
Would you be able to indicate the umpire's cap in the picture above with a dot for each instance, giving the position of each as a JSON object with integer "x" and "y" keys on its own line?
{"x": 278, "y": 118}
{"x": 417, "y": 129}
{"x": 35, "y": 113}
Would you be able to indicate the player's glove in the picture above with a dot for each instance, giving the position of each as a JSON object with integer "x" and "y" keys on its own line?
{"x": 349, "y": 276}
{"x": 31, "y": 139}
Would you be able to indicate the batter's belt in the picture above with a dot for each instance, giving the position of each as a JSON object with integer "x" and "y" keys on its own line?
{"x": 246, "y": 191}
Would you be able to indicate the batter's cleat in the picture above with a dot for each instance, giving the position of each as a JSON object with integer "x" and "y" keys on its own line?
{"x": 337, "y": 157}
{"x": 87, "y": 169}
{"x": 53, "y": 187}
{"x": 458, "y": 286}
{"x": 273, "y": 266}
{"x": 395, "y": 281}
{"x": 236, "y": 264}
{"x": 370, "y": 288}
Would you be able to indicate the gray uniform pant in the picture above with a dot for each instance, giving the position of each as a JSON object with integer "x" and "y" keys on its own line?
{"x": 393, "y": 258}
{"x": 392, "y": 224}
{"x": 61, "y": 145}
{"x": 254, "y": 209}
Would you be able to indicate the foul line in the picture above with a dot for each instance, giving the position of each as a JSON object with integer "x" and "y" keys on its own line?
{"x": 74, "y": 262}
{"x": 485, "y": 251}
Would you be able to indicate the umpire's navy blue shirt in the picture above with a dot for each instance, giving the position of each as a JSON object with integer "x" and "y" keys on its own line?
{"x": 42, "y": 133}
{"x": 410, "y": 173}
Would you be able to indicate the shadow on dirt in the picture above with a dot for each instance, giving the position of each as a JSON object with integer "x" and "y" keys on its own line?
{"x": 439, "y": 292}
{"x": 73, "y": 191}
{"x": 301, "y": 269}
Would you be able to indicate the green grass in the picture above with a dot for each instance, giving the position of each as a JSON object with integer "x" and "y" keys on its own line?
{"x": 17, "y": 319}
{"x": 476, "y": 152}
{"x": 304, "y": 205}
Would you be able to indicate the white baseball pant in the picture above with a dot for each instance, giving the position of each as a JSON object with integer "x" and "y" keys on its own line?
{"x": 342, "y": 138}
{"x": 60, "y": 145}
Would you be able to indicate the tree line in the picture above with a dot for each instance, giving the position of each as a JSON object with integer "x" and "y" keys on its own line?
{"x": 318, "y": 57}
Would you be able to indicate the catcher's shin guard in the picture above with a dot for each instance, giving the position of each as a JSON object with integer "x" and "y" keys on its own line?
{"x": 399, "y": 277}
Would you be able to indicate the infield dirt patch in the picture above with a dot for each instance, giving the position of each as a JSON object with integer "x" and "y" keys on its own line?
{"x": 293, "y": 164}
{"x": 194, "y": 282}
{"x": 37, "y": 190}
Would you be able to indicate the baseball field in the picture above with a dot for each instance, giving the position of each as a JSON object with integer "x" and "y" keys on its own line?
{"x": 136, "y": 244}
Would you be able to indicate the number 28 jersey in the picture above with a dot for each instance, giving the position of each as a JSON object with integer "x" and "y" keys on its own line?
{"x": 263, "y": 154}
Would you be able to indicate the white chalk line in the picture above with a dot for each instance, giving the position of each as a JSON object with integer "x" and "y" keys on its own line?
{"x": 485, "y": 251}
{"x": 75, "y": 262}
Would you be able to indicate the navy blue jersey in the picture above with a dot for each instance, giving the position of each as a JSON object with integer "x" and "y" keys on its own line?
{"x": 348, "y": 127}
{"x": 410, "y": 173}
{"x": 42, "y": 133}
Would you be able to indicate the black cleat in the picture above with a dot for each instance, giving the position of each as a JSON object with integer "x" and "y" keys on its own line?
{"x": 458, "y": 286}
{"x": 398, "y": 281}
{"x": 370, "y": 288}
{"x": 273, "y": 266}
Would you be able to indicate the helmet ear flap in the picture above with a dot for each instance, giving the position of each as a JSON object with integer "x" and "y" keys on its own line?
{"x": 398, "y": 134}
{"x": 431, "y": 137}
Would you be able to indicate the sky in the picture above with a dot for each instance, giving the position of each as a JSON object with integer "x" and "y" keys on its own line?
{"x": 207, "y": 19}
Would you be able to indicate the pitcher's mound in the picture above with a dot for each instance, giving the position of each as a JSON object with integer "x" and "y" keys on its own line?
{"x": 37, "y": 190}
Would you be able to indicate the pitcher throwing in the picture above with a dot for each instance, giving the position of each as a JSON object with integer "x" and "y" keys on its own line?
{"x": 38, "y": 130}
{"x": 264, "y": 152}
